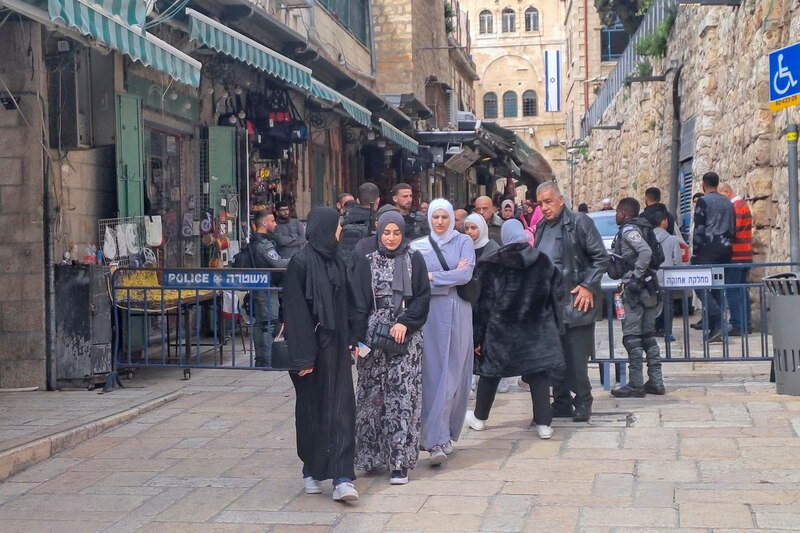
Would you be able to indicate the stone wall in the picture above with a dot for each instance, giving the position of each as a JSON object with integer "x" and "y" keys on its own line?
{"x": 724, "y": 85}
{"x": 22, "y": 345}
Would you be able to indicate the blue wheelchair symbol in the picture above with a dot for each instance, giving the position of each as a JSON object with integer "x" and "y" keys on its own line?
{"x": 784, "y": 72}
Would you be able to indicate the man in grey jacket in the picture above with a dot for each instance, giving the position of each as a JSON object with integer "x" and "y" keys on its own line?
{"x": 290, "y": 234}
{"x": 575, "y": 247}
{"x": 266, "y": 304}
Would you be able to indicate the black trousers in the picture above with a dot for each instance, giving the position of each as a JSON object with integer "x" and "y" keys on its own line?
{"x": 540, "y": 396}
{"x": 578, "y": 344}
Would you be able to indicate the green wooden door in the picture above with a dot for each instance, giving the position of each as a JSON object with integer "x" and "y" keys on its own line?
{"x": 130, "y": 156}
{"x": 221, "y": 163}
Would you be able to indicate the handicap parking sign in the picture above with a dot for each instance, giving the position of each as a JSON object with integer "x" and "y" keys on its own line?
{"x": 784, "y": 77}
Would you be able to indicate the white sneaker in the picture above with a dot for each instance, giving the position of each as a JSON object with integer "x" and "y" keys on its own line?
{"x": 312, "y": 486}
{"x": 474, "y": 422}
{"x": 545, "y": 432}
{"x": 448, "y": 448}
{"x": 345, "y": 492}
{"x": 503, "y": 387}
{"x": 437, "y": 456}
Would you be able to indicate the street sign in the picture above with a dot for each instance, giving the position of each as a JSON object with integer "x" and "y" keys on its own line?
{"x": 693, "y": 277}
{"x": 214, "y": 279}
{"x": 784, "y": 77}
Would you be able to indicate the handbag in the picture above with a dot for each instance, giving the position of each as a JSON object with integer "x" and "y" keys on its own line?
{"x": 471, "y": 290}
{"x": 381, "y": 340}
{"x": 280, "y": 353}
{"x": 153, "y": 232}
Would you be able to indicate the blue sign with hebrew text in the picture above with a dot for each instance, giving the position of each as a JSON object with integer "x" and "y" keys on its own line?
{"x": 216, "y": 279}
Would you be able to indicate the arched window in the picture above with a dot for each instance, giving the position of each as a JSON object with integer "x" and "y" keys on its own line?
{"x": 489, "y": 105}
{"x": 486, "y": 21}
{"x": 510, "y": 104}
{"x": 531, "y": 19}
{"x": 530, "y": 105}
{"x": 509, "y": 20}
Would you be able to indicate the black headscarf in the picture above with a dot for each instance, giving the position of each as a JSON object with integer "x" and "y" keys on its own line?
{"x": 401, "y": 280}
{"x": 325, "y": 276}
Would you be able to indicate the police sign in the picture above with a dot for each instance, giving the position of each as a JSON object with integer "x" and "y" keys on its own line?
{"x": 784, "y": 77}
{"x": 215, "y": 279}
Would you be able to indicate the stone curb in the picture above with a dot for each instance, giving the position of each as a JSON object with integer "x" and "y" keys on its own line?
{"x": 18, "y": 458}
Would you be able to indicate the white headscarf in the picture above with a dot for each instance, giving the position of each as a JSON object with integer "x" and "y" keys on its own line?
{"x": 447, "y": 236}
{"x": 483, "y": 230}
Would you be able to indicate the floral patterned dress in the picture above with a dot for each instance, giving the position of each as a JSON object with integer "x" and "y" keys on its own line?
{"x": 389, "y": 392}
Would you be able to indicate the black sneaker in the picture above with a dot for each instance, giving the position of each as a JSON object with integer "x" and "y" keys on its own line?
{"x": 653, "y": 388}
{"x": 563, "y": 412}
{"x": 715, "y": 337}
{"x": 582, "y": 413}
{"x": 697, "y": 325}
{"x": 628, "y": 392}
{"x": 399, "y": 477}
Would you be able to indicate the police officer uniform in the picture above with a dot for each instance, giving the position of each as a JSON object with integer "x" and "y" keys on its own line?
{"x": 266, "y": 304}
{"x": 642, "y": 300}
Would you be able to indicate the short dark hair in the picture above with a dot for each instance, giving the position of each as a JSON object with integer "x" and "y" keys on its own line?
{"x": 697, "y": 195}
{"x": 401, "y": 187}
{"x": 342, "y": 195}
{"x": 629, "y": 206}
{"x": 583, "y": 207}
{"x": 659, "y": 214}
{"x": 281, "y": 205}
{"x": 711, "y": 179}
{"x": 260, "y": 215}
{"x": 653, "y": 194}
{"x": 368, "y": 192}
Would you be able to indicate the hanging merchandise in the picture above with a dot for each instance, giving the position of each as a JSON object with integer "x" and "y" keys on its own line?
{"x": 281, "y": 127}
{"x": 153, "y": 231}
{"x": 207, "y": 221}
{"x": 109, "y": 244}
{"x": 187, "y": 229}
{"x": 227, "y": 114}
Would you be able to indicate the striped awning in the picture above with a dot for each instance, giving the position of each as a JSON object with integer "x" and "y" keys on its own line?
{"x": 359, "y": 113}
{"x": 92, "y": 21}
{"x": 130, "y": 12}
{"x": 398, "y": 137}
{"x": 224, "y": 40}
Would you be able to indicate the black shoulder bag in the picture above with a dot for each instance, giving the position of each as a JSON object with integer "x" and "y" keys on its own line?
{"x": 471, "y": 290}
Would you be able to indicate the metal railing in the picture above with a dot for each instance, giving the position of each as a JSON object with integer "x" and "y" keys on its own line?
{"x": 683, "y": 343}
{"x": 189, "y": 318}
{"x": 625, "y": 65}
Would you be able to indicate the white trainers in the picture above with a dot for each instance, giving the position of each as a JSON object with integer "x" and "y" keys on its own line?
{"x": 474, "y": 422}
{"x": 503, "y": 387}
{"x": 345, "y": 492}
{"x": 448, "y": 448}
{"x": 312, "y": 486}
{"x": 437, "y": 456}
{"x": 545, "y": 432}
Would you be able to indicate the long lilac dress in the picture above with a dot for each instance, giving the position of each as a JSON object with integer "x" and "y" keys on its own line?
{"x": 447, "y": 352}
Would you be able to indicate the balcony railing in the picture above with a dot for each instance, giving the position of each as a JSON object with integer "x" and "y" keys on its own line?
{"x": 625, "y": 65}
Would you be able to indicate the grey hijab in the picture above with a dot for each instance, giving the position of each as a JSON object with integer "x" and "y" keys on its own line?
{"x": 401, "y": 281}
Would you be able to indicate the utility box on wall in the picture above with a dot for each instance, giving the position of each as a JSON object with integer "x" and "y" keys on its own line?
{"x": 80, "y": 97}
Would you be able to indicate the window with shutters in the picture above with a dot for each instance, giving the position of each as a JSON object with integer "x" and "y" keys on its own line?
{"x": 485, "y": 22}
{"x": 490, "y": 105}
{"x": 530, "y": 104}
{"x": 509, "y": 20}
{"x": 510, "y": 104}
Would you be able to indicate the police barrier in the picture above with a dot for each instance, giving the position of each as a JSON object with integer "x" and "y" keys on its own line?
{"x": 189, "y": 318}
{"x": 696, "y": 339}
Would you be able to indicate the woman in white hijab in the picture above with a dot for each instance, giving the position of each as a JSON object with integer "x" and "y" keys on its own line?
{"x": 475, "y": 226}
{"x": 447, "y": 335}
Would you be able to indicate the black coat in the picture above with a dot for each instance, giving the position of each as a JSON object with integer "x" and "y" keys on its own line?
{"x": 517, "y": 324}
{"x": 326, "y": 405}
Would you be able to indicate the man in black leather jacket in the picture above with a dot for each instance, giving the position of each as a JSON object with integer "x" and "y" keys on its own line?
{"x": 572, "y": 242}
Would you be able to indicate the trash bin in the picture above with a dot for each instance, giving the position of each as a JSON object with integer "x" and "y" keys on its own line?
{"x": 784, "y": 308}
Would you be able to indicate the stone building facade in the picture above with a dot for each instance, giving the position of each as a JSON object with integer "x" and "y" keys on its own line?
{"x": 724, "y": 108}
{"x": 510, "y": 40}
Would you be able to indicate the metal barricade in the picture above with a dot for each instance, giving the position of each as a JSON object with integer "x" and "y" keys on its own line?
{"x": 189, "y": 318}
{"x": 683, "y": 288}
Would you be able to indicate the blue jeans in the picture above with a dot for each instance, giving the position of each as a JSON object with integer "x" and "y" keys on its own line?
{"x": 738, "y": 298}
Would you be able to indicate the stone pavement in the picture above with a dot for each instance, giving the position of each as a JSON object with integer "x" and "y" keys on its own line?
{"x": 719, "y": 452}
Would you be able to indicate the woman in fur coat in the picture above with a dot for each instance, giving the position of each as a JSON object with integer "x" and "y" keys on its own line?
{"x": 517, "y": 329}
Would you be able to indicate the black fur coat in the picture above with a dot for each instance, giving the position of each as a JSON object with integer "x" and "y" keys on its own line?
{"x": 516, "y": 323}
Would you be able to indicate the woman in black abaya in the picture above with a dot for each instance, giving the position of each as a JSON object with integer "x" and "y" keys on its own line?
{"x": 317, "y": 334}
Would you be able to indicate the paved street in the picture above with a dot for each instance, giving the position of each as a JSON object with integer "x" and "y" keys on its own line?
{"x": 718, "y": 452}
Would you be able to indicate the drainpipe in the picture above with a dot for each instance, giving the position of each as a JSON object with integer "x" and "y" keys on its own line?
{"x": 373, "y": 59}
{"x": 49, "y": 280}
{"x": 585, "y": 57}
{"x": 674, "y": 181}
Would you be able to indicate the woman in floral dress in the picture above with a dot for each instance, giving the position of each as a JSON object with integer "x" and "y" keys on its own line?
{"x": 390, "y": 286}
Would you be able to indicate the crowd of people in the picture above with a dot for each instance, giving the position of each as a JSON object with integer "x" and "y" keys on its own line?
{"x": 423, "y": 302}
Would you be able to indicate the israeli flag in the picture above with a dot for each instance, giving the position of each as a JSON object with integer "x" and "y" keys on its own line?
{"x": 552, "y": 70}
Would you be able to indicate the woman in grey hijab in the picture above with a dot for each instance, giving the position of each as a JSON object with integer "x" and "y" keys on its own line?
{"x": 390, "y": 286}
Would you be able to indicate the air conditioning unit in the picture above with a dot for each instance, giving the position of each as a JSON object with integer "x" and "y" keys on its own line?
{"x": 465, "y": 116}
{"x": 452, "y": 107}
{"x": 548, "y": 143}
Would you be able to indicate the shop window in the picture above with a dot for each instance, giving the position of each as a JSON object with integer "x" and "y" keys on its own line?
{"x": 510, "y": 104}
{"x": 613, "y": 41}
{"x": 486, "y": 22}
{"x": 164, "y": 189}
{"x": 531, "y": 19}
{"x": 490, "y": 105}
{"x": 352, "y": 14}
{"x": 509, "y": 20}
{"x": 530, "y": 104}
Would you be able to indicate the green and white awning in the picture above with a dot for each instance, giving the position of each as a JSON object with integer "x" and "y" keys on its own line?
{"x": 359, "y": 113}
{"x": 223, "y": 39}
{"x": 92, "y": 21}
{"x": 130, "y": 12}
{"x": 398, "y": 137}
